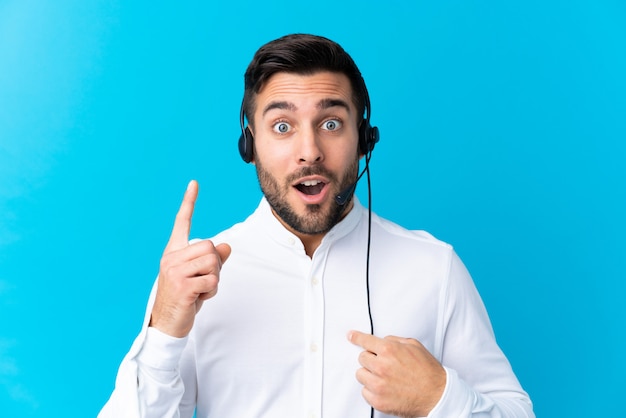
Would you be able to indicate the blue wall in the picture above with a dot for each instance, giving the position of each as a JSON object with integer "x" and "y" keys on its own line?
{"x": 503, "y": 129}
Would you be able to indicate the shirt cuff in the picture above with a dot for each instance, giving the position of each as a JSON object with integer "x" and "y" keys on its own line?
{"x": 161, "y": 351}
{"x": 457, "y": 398}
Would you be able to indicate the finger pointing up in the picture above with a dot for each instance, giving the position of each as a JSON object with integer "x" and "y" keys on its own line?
{"x": 182, "y": 224}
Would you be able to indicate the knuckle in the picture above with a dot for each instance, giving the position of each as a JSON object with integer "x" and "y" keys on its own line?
{"x": 383, "y": 369}
{"x": 196, "y": 265}
{"x": 205, "y": 246}
{"x": 386, "y": 349}
{"x": 414, "y": 342}
{"x": 208, "y": 283}
{"x": 166, "y": 261}
{"x": 360, "y": 375}
{"x": 377, "y": 388}
{"x": 214, "y": 261}
{"x": 213, "y": 257}
{"x": 168, "y": 271}
{"x": 207, "y": 264}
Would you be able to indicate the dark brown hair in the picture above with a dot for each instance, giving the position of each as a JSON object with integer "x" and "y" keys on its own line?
{"x": 301, "y": 54}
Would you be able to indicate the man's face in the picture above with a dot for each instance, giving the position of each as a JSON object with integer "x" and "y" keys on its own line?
{"x": 306, "y": 148}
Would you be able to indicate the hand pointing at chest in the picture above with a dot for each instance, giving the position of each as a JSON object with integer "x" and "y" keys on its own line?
{"x": 399, "y": 376}
{"x": 188, "y": 275}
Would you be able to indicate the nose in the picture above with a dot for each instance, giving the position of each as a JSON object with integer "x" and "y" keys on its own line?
{"x": 310, "y": 150}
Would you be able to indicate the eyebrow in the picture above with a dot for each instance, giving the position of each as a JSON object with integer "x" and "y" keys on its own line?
{"x": 322, "y": 104}
{"x": 328, "y": 103}
{"x": 280, "y": 105}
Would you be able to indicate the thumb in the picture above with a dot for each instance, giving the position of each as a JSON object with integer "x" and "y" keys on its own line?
{"x": 224, "y": 251}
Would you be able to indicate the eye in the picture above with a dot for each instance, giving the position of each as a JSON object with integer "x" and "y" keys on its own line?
{"x": 281, "y": 127}
{"x": 331, "y": 125}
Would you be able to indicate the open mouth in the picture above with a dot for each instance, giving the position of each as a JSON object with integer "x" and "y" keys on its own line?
{"x": 310, "y": 187}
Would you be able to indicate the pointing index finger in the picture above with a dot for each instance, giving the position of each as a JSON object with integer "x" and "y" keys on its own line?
{"x": 365, "y": 341}
{"x": 182, "y": 224}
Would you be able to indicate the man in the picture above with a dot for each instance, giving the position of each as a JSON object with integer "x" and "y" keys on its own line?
{"x": 308, "y": 277}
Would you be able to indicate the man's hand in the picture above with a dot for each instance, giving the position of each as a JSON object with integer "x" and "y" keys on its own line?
{"x": 189, "y": 274}
{"x": 399, "y": 376}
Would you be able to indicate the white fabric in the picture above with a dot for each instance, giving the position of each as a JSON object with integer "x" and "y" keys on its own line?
{"x": 272, "y": 342}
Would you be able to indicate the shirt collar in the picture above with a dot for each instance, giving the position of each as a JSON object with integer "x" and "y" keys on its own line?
{"x": 275, "y": 230}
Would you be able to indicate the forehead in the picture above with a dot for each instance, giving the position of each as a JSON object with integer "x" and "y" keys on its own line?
{"x": 302, "y": 90}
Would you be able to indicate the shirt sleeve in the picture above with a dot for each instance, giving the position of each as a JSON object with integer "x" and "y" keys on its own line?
{"x": 480, "y": 380}
{"x": 148, "y": 382}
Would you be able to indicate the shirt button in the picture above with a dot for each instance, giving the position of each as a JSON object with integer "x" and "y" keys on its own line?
{"x": 291, "y": 241}
{"x": 313, "y": 348}
{"x": 314, "y": 281}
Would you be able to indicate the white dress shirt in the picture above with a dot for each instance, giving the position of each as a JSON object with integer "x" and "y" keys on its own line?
{"x": 272, "y": 342}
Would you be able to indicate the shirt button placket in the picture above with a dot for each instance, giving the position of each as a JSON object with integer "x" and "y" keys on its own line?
{"x": 316, "y": 337}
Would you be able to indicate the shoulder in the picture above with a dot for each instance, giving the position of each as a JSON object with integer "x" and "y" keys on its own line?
{"x": 410, "y": 252}
{"x": 392, "y": 232}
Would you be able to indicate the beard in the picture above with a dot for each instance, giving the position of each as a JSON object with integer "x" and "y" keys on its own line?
{"x": 316, "y": 219}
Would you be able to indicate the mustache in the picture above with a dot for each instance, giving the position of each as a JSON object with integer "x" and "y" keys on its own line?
{"x": 311, "y": 171}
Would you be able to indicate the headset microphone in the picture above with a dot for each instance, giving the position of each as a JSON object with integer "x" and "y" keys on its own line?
{"x": 345, "y": 194}
{"x": 342, "y": 197}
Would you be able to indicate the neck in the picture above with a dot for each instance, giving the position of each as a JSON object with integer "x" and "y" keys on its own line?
{"x": 312, "y": 241}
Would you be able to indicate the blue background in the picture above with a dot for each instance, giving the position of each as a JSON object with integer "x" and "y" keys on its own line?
{"x": 503, "y": 130}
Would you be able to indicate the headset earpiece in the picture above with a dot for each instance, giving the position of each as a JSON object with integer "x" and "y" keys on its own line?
{"x": 368, "y": 134}
{"x": 246, "y": 145}
{"x": 368, "y": 137}
{"x": 246, "y": 139}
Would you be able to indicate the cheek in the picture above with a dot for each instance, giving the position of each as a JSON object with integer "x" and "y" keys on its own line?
{"x": 345, "y": 156}
{"x": 270, "y": 150}
{"x": 274, "y": 161}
